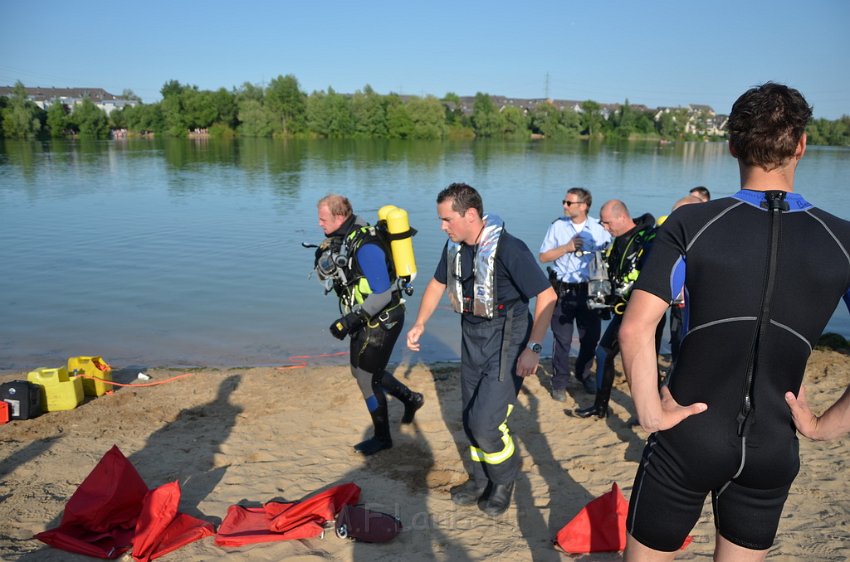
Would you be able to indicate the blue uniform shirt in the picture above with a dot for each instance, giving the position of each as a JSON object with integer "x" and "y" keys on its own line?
{"x": 570, "y": 267}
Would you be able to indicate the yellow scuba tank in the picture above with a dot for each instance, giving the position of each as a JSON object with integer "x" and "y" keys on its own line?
{"x": 401, "y": 240}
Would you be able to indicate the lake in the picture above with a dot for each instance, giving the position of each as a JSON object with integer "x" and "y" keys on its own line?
{"x": 188, "y": 252}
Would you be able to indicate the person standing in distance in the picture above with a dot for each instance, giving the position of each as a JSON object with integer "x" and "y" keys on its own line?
{"x": 725, "y": 422}
{"x": 701, "y": 193}
{"x": 490, "y": 276}
{"x": 569, "y": 244}
{"x": 359, "y": 264}
{"x": 632, "y": 239}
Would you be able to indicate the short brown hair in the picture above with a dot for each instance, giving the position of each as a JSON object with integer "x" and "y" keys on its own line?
{"x": 338, "y": 205}
{"x": 766, "y": 125}
{"x": 464, "y": 197}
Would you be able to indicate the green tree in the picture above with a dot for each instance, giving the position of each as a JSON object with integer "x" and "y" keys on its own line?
{"x": 399, "y": 123}
{"x": 369, "y": 112}
{"x": 250, "y": 91}
{"x": 591, "y": 118}
{"x": 21, "y": 116}
{"x": 486, "y": 119}
{"x": 225, "y": 107}
{"x": 128, "y": 94}
{"x": 515, "y": 122}
{"x": 288, "y": 103}
{"x": 671, "y": 124}
{"x": 90, "y": 120}
{"x": 198, "y": 108}
{"x": 57, "y": 119}
{"x": 329, "y": 114}
{"x": 553, "y": 123}
{"x": 171, "y": 88}
{"x": 255, "y": 119}
{"x": 428, "y": 117}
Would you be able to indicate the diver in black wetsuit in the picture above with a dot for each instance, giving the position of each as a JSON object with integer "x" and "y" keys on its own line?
{"x": 762, "y": 273}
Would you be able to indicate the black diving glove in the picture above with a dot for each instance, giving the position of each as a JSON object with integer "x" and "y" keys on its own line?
{"x": 349, "y": 323}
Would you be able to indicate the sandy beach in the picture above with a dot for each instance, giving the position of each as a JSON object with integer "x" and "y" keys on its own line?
{"x": 256, "y": 434}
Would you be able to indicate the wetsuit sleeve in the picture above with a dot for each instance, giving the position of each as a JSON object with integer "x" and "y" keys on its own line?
{"x": 441, "y": 273}
{"x": 663, "y": 270}
{"x": 847, "y": 299}
{"x": 373, "y": 263}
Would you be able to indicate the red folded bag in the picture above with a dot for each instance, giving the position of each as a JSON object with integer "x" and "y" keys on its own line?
{"x": 599, "y": 527}
{"x": 112, "y": 511}
{"x": 280, "y": 521}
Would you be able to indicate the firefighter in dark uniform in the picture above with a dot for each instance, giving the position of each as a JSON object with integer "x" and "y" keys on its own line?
{"x": 490, "y": 276}
{"x": 357, "y": 265}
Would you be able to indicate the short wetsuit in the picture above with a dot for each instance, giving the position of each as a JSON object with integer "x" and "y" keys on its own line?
{"x": 763, "y": 273}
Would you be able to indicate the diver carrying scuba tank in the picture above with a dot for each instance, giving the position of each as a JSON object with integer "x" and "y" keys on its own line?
{"x": 357, "y": 262}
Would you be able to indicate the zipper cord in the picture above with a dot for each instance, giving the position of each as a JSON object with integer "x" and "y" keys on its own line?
{"x": 775, "y": 204}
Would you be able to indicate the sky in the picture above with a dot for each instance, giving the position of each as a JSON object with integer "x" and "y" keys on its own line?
{"x": 655, "y": 53}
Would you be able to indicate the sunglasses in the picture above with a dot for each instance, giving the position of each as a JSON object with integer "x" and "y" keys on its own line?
{"x": 571, "y": 203}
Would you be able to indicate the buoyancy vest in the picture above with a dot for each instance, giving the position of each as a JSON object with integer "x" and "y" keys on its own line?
{"x": 625, "y": 259}
{"x": 483, "y": 300}
{"x": 357, "y": 288}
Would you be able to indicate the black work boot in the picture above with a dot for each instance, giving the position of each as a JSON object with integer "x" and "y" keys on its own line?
{"x": 498, "y": 500}
{"x": 600, "y": 412}
{"x": 599, "y": 408}
{"x": 381, "y": 439}
{"x": 412, "y": 400}
{"x": 467, "y": 493}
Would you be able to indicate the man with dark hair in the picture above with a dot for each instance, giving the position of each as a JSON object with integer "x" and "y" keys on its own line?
{"x": 570, "y": 243}
{"x": 701, "y": 192}
{"x": 753, "y": 316}
{"x": 632, "y": 238}
{"x": 357, "y": 265}
{"x": 490, "y": 276}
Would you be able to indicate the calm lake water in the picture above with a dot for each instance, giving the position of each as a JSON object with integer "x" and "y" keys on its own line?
{"x": 183, "y": 253}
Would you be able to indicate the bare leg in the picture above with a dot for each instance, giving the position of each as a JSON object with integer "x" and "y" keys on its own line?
{"x": 725, "y": 551}
{"x": 637, "y": 552}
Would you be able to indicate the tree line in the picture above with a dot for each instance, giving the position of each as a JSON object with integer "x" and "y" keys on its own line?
{"x": 283, "y": 110}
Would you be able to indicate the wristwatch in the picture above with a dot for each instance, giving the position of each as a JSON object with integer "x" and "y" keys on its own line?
{"x": 535, "y": 347}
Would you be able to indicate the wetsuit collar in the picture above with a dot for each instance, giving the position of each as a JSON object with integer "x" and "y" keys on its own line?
{"x": 756, "y": 198}
{"x": 344, "y": 228}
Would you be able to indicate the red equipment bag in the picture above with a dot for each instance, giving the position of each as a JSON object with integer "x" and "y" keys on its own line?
{"x": 599, "y": 527}
{"x": 281, "y": 521}
{"x": 113, "y": 511}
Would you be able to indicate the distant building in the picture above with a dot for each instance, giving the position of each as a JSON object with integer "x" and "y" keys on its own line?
{"x": 45, "y": 97}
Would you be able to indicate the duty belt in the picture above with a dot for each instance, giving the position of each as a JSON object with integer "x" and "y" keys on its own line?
{"x": 571, "y": 288}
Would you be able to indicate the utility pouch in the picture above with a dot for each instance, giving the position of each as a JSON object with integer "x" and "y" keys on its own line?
{"x": 389, "y": 317}
{"x": 363, "y": 525}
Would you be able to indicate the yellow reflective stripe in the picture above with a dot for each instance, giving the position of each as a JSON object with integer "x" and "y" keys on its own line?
{"x": 498, "y": 457}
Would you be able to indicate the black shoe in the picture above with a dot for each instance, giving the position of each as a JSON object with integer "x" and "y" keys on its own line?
{"x": 467, "y": 493}
{"x": 412, "y": 404}
{"x": 372, "y": 446}
{"x": 498, "y": 500}
{"x": 600, "y": 412}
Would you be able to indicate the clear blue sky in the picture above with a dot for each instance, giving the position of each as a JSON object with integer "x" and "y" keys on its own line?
{"x": 657, "y": 53}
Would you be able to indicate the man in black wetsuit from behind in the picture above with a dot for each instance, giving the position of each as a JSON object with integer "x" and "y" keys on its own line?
{"x": 762, "y": 271}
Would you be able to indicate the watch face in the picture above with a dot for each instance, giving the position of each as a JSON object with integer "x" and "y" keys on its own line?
{"x": 536, "y": 347}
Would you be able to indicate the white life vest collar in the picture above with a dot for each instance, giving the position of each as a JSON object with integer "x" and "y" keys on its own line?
{"x": 483, "y": 301}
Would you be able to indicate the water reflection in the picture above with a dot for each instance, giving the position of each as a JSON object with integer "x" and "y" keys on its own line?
{"x": 176, "y": 251}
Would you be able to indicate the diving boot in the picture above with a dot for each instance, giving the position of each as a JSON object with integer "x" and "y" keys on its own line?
{"x": 467, "y": 493}
{"x": 381, "y": 439}
{"x": 412, "y": 400}
{"x": 498, "y": 500}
